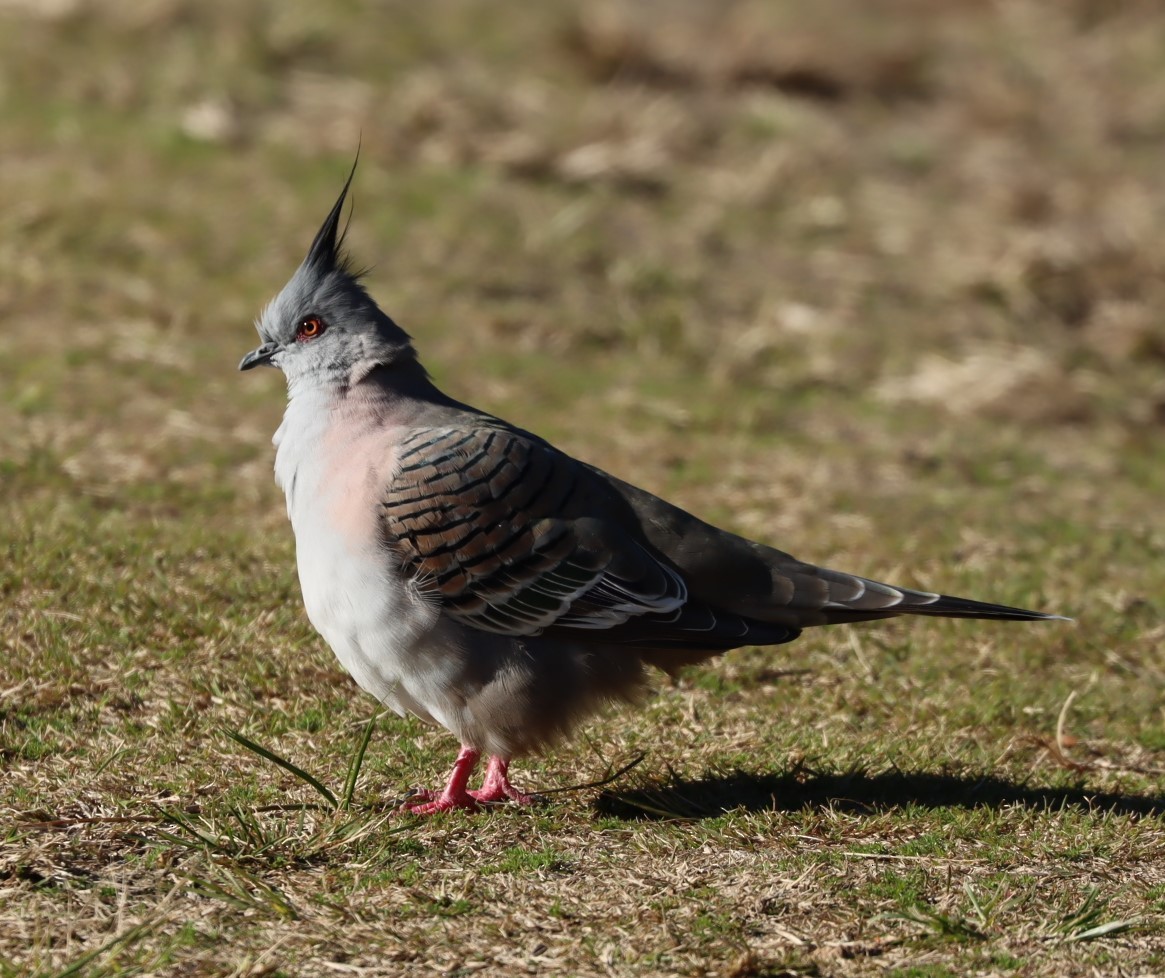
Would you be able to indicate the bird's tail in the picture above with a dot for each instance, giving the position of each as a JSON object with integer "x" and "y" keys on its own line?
{"x": 853, "y": 598}
{"x": 946, "y": 606}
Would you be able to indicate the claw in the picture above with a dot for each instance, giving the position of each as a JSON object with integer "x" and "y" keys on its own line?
{"x": 439, "y": 804}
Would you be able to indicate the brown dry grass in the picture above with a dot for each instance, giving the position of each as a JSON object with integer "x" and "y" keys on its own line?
{"x": 881, "y": 286}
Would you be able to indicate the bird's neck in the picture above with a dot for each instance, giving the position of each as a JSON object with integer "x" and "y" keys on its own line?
{"x": 400, "y": 393}
{"x": 325, "y": 423}
{"x": 365, "y": 385}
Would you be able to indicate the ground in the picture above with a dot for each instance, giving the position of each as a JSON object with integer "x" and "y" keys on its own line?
{"x": 879, "y": 284}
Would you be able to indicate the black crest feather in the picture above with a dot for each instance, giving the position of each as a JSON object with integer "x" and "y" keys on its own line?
{"x": 327, "y": 250}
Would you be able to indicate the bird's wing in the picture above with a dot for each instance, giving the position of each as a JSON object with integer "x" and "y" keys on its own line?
{"x": 508, "y": 534}
{"x": 513, "y": 537}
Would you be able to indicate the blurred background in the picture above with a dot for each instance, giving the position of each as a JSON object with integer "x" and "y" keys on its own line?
{"x": 882, "y": 286}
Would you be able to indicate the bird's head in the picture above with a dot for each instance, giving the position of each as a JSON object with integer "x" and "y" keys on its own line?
{"x": 323, "y": 329}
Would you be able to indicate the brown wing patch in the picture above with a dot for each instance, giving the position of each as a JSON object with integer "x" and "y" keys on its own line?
{"x": 479, "y": 517}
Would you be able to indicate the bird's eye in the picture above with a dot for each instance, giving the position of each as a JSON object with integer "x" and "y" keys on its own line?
{"x": 309, "y": 329}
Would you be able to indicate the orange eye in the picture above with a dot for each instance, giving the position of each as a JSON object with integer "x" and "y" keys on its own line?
{"x": 310, "y": 328}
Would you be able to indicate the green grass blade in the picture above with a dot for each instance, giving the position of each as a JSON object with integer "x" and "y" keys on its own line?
{"x": 78, "y": 967}
{"x": 1103, "y": 930}
{"x": 357, "y": 763}
{"x": 274, "y": 758}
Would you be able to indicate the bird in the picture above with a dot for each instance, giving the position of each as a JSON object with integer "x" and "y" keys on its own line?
{"x": 466, "y": 571}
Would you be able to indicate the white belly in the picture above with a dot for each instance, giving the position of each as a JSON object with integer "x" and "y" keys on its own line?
{"x": 364, "y": 614}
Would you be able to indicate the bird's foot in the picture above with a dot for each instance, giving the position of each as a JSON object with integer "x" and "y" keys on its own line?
{"x": 496, "y": 787}
{"x": 454, "y": 794}
{"x": 432, "y": 802}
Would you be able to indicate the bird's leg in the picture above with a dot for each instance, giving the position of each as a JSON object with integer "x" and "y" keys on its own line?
{"x": 497, "y": 787}
{"x": 454, "y": 795}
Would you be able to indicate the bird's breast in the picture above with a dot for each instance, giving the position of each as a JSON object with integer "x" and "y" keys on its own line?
{"x": 353, "y": 591}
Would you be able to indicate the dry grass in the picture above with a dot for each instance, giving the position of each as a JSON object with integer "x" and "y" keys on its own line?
{"x": 882, "y": 287}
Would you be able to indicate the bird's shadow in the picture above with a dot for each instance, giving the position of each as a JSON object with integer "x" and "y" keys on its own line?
{"x": 710, "y": 796}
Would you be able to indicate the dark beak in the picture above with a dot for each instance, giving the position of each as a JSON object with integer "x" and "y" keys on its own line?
{"x": 260, "y": 357}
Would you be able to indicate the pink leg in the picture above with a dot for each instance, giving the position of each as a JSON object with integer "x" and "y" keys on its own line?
{"x": 454, "y": 795}
{"x": 497, "y": 787}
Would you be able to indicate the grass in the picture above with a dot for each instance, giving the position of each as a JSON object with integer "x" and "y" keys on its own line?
{"x": 883, "y": 289}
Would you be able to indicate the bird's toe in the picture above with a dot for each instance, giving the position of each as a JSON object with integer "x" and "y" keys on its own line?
{"x": 494, "y": 794}
{"x": 431, "y": 802}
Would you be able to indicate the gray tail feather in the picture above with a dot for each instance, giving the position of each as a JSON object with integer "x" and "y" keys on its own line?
{"x": 855, "y": 598}
{"x": 946, "y": 606}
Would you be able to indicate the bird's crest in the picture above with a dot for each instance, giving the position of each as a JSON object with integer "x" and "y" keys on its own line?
{"x": 327, "y": 250}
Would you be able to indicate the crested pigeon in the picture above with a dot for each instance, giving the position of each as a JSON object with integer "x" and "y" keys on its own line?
{"x": 466, "y": 571}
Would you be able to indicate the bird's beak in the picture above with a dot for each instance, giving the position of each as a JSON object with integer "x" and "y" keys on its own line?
{"x": 260, "y": 357}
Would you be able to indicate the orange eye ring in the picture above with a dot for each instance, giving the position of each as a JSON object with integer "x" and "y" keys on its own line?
{"x": 309, "y": 329}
